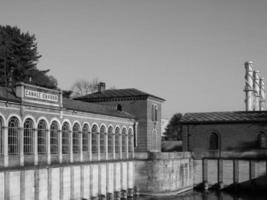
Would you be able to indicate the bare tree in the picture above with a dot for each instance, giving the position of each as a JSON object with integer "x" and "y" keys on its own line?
{"x": 83, "y": 87}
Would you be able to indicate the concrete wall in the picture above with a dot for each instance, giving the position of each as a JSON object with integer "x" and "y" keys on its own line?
{"x": 163, "y": 173}
{"x": 66, "y": 182}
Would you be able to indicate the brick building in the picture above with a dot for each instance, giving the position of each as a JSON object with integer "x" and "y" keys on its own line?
{"x": 224, "y": 131}
{"x": 146, "y": 108}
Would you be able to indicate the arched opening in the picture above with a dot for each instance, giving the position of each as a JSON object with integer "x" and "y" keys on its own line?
{"x": 75, "y": 139}
{"x": 119, "y": 107}
{"x": 123, "y": 142}
{"x": 1, "y": 137}
{"x": 85, "y": 135}
{"x": 28, "y": 137}
{"x": 65, "y": 138}
{"x": 54, "y": 129}
{"x": 117, "y": 142}
{"x": 110, "y": 142}
{"x": 262, "y": 140}
{"x": 130, "y": 142}
{"x": 213, "y": 141}
{"x": 94, "y": 141}
{"x": 102, "y": 141}
{"x": 41, "y": 133}
{"x": 13, "y": 136}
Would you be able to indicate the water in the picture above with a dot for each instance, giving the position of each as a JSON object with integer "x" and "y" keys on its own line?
{"x": 193, "y": 195}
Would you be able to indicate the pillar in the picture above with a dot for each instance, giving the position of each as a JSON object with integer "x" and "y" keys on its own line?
{"x": 5, "y": 145}
{"x": 98, "y": 147}
{"x": 60, "y": 146}
{"x": 71, "y": 147}
{"x": 48, "y": 149}
{"x": 120, "y": 143}
{"x": 106, "y": 145}
{"x": 236, "y": 171}
{"x": 21, "y": 147}
{"x": 35, "y": 146}
{"x": 81, "y": 146}
{"x": 113, "y": 145}
{"x": 252, "y": 173}
{"x": 90, "y": 145}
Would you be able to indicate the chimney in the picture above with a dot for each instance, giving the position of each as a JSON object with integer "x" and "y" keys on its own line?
{"x": 256, "y": 88}
{"x": 262, "y": 94}
{"x": 101, "y": 87}
{"x": 249, "y": 86}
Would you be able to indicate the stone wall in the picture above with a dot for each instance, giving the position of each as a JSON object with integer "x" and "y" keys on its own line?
{"x": 83, "y": 181}
{"x": 163, "y": 173}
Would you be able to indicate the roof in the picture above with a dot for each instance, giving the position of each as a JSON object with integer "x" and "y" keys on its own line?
{"x": 224, "y": 117}
{"x": 117, "y": 93}
{"x": 7, "y": 94}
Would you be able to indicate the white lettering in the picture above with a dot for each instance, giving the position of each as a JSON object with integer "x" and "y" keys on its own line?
{"x": 41, "y": 95}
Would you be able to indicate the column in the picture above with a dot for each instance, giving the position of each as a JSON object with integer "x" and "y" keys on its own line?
{"x": 48, "y": 149}
{"x": 106, "y": 145}
{"x": 81, "y": 146}
{"x": 135, "y": 134}
{"x": 236, "y": 171}
{"x": 21, "y": 147}
{"x": 90, "y": 145}
{"x": 5, "y": 145}
{"x": 35, "y": 146}
{"x": 71, "y": 147}
{"x": 98, "y": 146}
{"x": 60, "y": 146}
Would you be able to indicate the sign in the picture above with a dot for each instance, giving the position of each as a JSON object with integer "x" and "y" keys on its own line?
{"x": 41, "y": 95}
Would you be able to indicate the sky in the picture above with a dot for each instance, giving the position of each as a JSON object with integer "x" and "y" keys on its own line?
{"x": 189, "y": 52}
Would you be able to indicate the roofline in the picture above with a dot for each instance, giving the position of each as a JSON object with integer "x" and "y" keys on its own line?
{"x": 221, "y": 122}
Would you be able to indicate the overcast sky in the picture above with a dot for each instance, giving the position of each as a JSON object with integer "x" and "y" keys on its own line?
{"x": 189, "y": 52}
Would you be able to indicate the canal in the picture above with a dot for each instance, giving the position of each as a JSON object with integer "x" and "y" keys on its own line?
{"x": 194, "y": 195}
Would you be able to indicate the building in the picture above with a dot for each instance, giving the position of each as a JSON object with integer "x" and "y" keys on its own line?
{"x": 146, "y": 108}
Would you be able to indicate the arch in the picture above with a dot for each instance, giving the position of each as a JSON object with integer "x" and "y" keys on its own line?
{"x": 117, "y": 139}
{"x": 30, "y": 117}
{"x": 65, "y": 137}
{"x": 85, "y": 136}
{"x": 28, "y": 137}
{"x": 16, "y": 116}
{"x": 124, "y": 130}
{"x": 130, "y": 139}
{"x": 54, "y": 130}
{"x": 262, "y": 140}
{"x": 55, "y": 120}
{"x": 4, "y": 121}
{"x": 42, "y": 136}
{"x": 123, "y": 139}
{"x": 76, "y": 130}
{"x": 42, "y": 118}
{"x": 94, "y": 131}
{"x": 110, "y": 138}
{"x": 130, "y": 131}
{"x": 13, "y": 135}
{"x": 214, "y": 142}
{"x": 102, "y": 138}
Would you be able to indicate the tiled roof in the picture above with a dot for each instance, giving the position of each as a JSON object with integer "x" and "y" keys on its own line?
{"x": 117, "y": 93}
{"x": 224, "y": 117}
{"x": 7, "y": 94}
{"x": 94, "y": 108}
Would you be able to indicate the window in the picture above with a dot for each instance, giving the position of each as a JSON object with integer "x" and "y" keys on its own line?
{"x": 262, "y": 140}
{"x": 13, "y": 136}
{"x": 94, "y": 139}
{"x": 117, "y": 140}
{"x": 102, "y": 139}
{"x": 85, "y": 134}
{"x": 42, "y": 129}
{"x": 154, "y": 112}
{"x": 214, "y": 142}
{"x": 123, "y": 142}
{"x": 65, "y": 138}
{"x": 119, "y": 107}
{"x": 28, "y": 137}
{"x": 110, "y": 139}
{"x": 54, "y": 137}
{"x": 75, "y": 138}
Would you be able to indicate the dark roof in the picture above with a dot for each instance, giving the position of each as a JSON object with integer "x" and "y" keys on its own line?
{"x": 117, "y": 93}
{"x": 8, "y": 94}
{"x": 224, "y": 117}
{"x": 94, "y": 108}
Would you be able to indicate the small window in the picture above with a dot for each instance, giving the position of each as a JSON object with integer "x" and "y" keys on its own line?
{"x": 119, "y": 107}
{"x": 214, "y": 142}
{"x": 262, "y": 140}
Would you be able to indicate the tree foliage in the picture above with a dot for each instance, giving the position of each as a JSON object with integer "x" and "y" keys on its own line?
{"x": 173, "y": 129}
{"x": 83, "y": 87}
{"x": 19, "y": 58}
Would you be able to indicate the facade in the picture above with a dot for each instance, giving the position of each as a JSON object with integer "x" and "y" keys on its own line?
{"x": 146, "y": 109}
{"x": 224, "y": 131}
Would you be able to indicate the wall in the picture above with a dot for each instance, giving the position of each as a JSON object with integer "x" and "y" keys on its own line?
{"x": 67, "y": 182}
{"x": 163, "y": 173}
{"x": 232, "y": 136}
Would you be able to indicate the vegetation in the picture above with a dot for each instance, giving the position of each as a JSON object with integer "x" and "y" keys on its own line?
{"x": 83, "y": 87}
{"x": 173, "y": 129}
{"x": 19, "y": 58}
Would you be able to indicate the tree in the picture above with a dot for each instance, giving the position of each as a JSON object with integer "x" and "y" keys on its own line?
{"x": 19, "y": 58}
{"x": 173, "y": 129}
{"x": 83, "y": 87}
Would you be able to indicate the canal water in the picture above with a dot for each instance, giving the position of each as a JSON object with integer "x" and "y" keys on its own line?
{"x": 194, "y": 195}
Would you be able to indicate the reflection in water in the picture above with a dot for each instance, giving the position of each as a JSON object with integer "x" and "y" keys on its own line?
{"x": 207, "y": 196}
